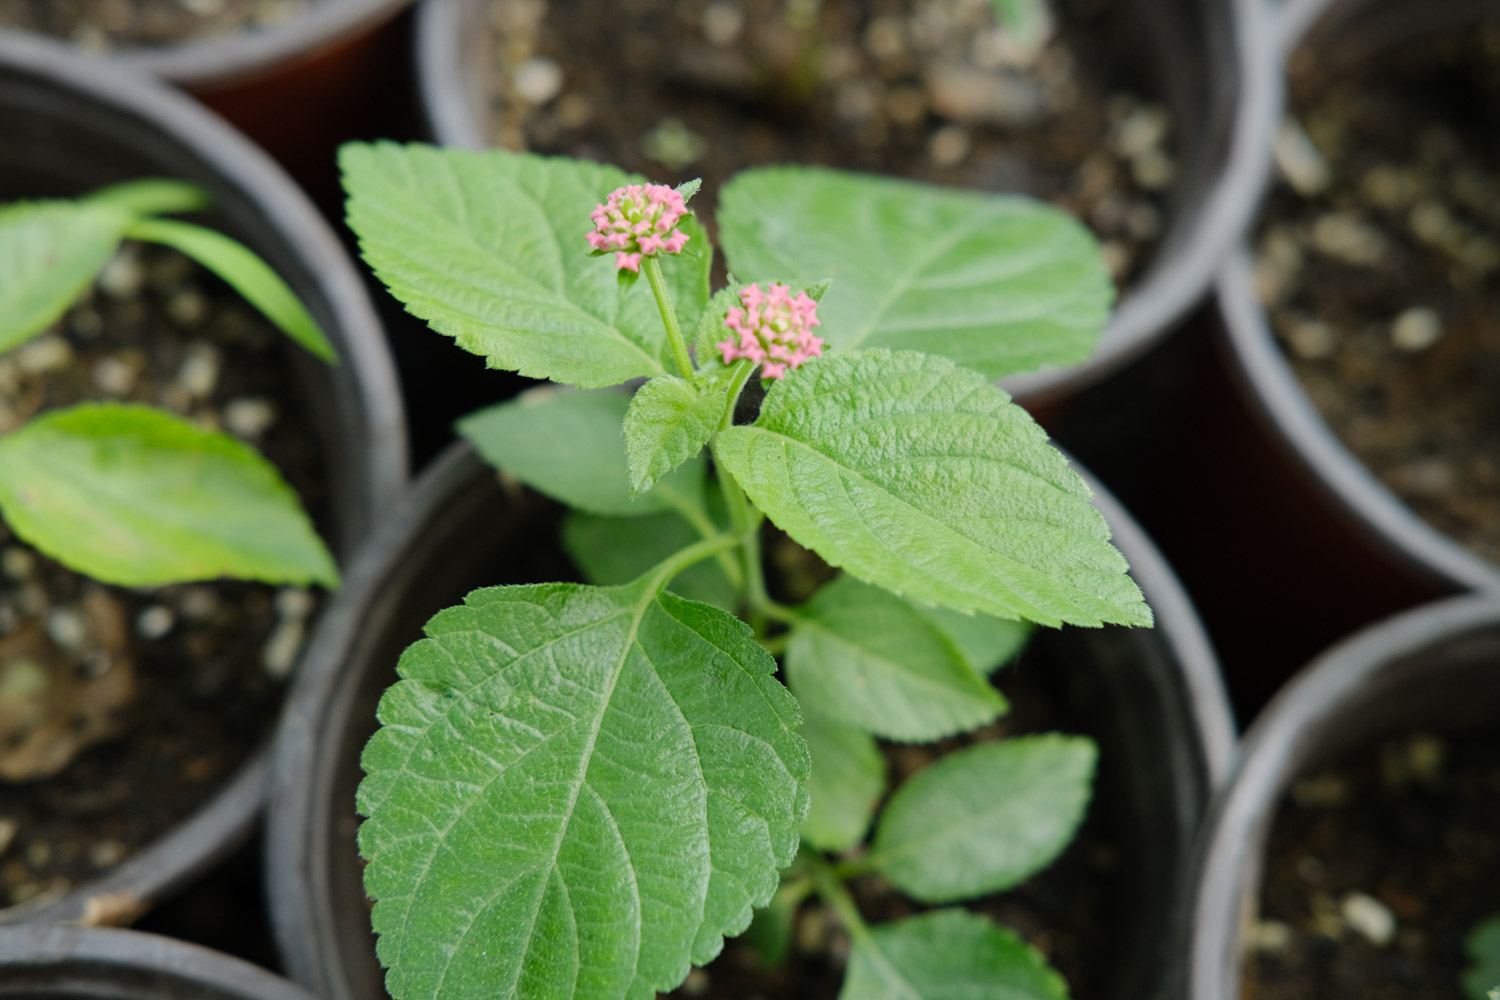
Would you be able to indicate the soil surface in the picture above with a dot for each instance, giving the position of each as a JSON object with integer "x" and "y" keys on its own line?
{"x": 1377, "y": 869}
{"x": 929, "y": 89}
{"x": 102, "y": 25}
{"x": 1380, "y": 264}
{"x": 137, "y": 703}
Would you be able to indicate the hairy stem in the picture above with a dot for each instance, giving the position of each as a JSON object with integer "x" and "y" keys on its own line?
{"x": 832, "y": 891}
{"x": 697, "y": 552}
{"x": 652, "y": 267}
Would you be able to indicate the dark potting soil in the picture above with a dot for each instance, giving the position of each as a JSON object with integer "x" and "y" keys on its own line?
{"x": 928, "y": 89}
{"x": 111, "y": 24}
{"x": 147, "y": 698}
{"x": 1380, "y": 265}
{"x": 1377, "y": 868}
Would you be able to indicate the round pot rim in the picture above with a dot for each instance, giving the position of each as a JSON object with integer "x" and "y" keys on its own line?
{"x": 1145, "y": 313}
{"x": 49, "y": 946}
{"x": 228, "y": 814}
{"x": 1227, "y": 868}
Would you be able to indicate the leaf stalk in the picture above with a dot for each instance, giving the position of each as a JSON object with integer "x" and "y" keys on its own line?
{"x": 652, "y": 267}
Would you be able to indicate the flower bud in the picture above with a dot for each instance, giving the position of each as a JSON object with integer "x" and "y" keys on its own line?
{"x": 773, "y": 329}
{"x": 639, "y": 220}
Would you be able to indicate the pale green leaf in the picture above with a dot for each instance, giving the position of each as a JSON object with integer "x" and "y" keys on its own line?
{"x": 137, "y": 497}
{"x": 871, "y": 660}
{"x": 669, "y": 422}
{"x": 151, "y": 196}
{"x": 489, "y": 248}
{"x": 921, "y": 477}
{"x": 569, "y": 444}
{"x": 243, "y": 271}
{"x": 984, "y": 643}
{"x": 985, "y": 818}
{"x": 615, "y": 550}
{"x": 575, "y": 792}
{"x": 848, "y": 779}
{"x": 1483, "y": 949}
{"x": 50, "y": 252}
{"x": 998, "y": 283}
{"x": 948, "y": 955}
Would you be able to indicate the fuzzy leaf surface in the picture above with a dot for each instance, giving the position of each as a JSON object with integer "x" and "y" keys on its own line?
{"x": 948, "y": 955}
{"x": 575, "y": 792}
{"x": 489, "y": 249}
{"x": 568, "y": 444}
{"x": 615, "y": 550}
{"x": 871, "y": 660}
{"x": 985, "y": 818}
{"x": 848, "y": 778}
{"x": 669, "y": 422}
{"x": 134, "y": 496}
{"x": 50, "y": 251}
{"x": 998, "y": 283}
{"x": 923, "y": 478}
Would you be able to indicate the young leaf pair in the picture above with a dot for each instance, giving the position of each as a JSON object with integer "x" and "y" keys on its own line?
{"x": 580, "y": 790}
{"x": 125, "y": 493}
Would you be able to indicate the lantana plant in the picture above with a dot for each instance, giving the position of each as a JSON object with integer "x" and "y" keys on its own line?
{"x": 578, "y": 790}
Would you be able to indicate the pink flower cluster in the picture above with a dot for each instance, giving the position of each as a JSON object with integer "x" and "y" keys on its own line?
{"x": 639, "y": 220}
{"x": 775, "y": 330}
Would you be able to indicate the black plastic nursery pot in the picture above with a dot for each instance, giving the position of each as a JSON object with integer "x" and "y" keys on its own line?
{"x": 1151, "y": 697}
{"x": 1209, "y": 62}
{"x": 69, "y": 963}
{"x": 1431, "y": 670}
{"x": 69, "y": 125}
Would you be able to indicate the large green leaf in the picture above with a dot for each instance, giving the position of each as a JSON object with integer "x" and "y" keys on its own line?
{"x": 921, "y": 477}
{"x": 568, "y": 444}
{"x": 668, "y": 423}
{"x": 984, "y": 643}
{"x": 848, "y": 778}
{"x": 871, "y": 660}
{"x": 575, "y": 792}
{"x": 489, "y": 248}
{"x": 984, "y": 818}
{"x": 50, "y": 251}
{"x": 948, "y": 955}
{"x": 999, "y": 284}
{"x": 134, "y": 496}
{"x": 616, "y": 550}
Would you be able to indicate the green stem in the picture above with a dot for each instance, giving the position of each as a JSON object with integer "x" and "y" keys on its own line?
{"x": 826, "y": 882}
{"x": 855, "y": 867}
{"x": 697, "y": 552}
{"x": 668, "y": 317}
{"x": 706, "y": 528}
{"x": 738, "y": 376}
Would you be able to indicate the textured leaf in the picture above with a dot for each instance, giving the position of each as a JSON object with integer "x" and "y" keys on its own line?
{"x": 871, "y": 660}
{"x": 668, "y": 423}
{"x": 575, "y": 792}
{"x": 616, "y": 550}
{"x": 999, "y": 284}
{"x": 569, "y": 444}
{"x": 151, "y": 196}
{"x": 50, "y": 251}
{"x": 985, "y": 818}
{"x": 921, "y": 477}
{"x": 489, "y": 249}
{"x": 134, "y": 496}
{"x": 948, "y": 955}
{"x": 246, "y": 273}
{"x": 848, "y": 779}
{"x": 984, "y": 643}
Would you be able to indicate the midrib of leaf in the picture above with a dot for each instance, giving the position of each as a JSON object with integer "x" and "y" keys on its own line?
{"x": 930, "y": 682}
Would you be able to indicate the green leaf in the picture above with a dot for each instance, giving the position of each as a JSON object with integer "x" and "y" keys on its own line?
{"x": 489, "y": 248}
{"x": 985, "y": 818}
{"x": 568, "y": 444}
{"x": 152, "y": 196}
{"x": 575, "y": 792}
{"x": 948, "y": 955}
{"x": 50, "y": 252}
{"x": 669, "y": 422}
{"x": 1483, "y": 948}
{"x": 871, "y": 660}
{"x": 615, "y": 550}
{"x": 133, "y": 496}
{"x": 246, "y": 273}
{"x": 848, "y": 779}
{"x": 984, "y": 643}
{"x": 999, "y": 284}
{"x": 921, "y": 477}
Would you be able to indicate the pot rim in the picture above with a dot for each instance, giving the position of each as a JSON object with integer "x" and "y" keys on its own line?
{"x": 1227, "y": 869}
{"x": 1173, "y": 283}
{"x": 86, "y": 956}
{"x": 213, "y": 829}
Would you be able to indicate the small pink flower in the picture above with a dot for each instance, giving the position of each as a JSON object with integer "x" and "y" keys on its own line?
{"x": 773, "y": 329}
{"x": 639, "y": 220}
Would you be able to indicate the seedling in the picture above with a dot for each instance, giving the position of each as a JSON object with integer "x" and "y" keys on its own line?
{"x": 579, "y": 790}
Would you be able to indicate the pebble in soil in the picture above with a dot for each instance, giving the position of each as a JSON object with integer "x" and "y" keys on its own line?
{"x": 1380, "y": 266}
{"x": 1377, "y": 868}
{"x": 121, "y": 710}
{"x": 102, "y": 25}
{"x": 929, "y": 89}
